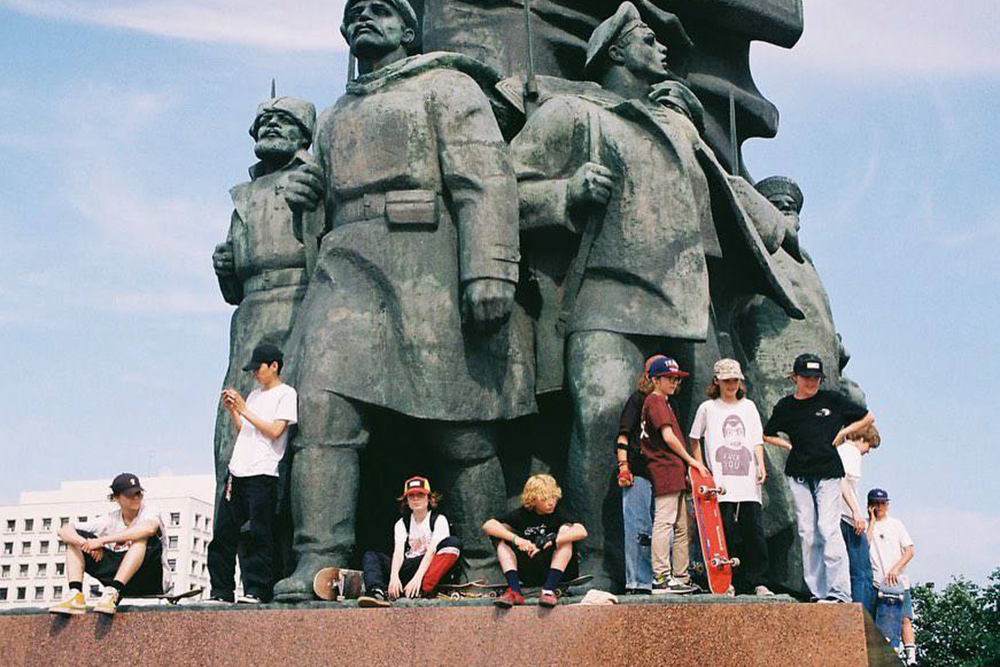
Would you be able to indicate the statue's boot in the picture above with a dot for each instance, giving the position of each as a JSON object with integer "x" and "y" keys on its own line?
{"x": 472, "y": 483}
{"x": 324, "y": 497}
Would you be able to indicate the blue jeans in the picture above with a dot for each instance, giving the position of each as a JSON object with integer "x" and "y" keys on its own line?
{"x": 860, "y": 564}
{"x": 637, "y": 511}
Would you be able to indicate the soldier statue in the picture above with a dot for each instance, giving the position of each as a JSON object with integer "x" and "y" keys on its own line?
{"x": 261, "y": 266}
{"x": 405, "y": 336}
{"x": 620, "y": 202}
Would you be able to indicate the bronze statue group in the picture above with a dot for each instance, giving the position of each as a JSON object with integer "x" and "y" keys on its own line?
{"x": 442, "y": 251}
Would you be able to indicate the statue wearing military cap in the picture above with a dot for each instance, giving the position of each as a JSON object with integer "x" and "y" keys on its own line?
{"x": 262, "y": 265}
{"x": 406, "y": 337}
{"x": 622, "y": 203}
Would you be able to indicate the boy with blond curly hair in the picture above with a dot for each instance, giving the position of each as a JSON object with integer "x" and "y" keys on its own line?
{"x": 535, "y": 543}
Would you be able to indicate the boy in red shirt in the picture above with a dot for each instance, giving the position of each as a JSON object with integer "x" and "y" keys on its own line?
{"x": 667, "y": 459}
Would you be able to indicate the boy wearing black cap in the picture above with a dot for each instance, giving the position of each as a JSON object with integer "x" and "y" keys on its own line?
{"x": 262, "y": 422}
{"x": 123, "y": 550}
{"x": 816, "y": 421}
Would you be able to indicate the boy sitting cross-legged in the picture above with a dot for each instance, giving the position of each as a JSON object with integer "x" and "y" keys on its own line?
{"x": 535, "y": 543}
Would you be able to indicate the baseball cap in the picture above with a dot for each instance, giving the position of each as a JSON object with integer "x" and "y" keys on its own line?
{"x": 728, "y": 369}
{"x": 124, "y": 483}
{"x": 665, "y": 366}
{"x": 416, "y": 485}
{"x": 808, "y": 365}
{"x": 878, "y": 496}
{"x": 650, "y": 361}
{"x": 263, "y": 354}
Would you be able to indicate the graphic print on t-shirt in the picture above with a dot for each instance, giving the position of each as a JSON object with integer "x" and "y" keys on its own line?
{"x": 733, "y": 457}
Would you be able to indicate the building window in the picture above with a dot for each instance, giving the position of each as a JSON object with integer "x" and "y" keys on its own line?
{"x": 43, "y": 570}
{"x": 22, "y": 592}
{"x": 3, "y": 594}
{"x": 192, "y": 587}
{"x": 5, "y": 572}
{"x": 11, "y": 525}
{"x": 29, "y": 525}
{"x": 43, "y": 547}
{"x": 81, "y": 519}
{"x": 22, "y": 571}
{"x": 63, "y": 521}
{"x": 56, "y": 592}
{"x": 208, "y": 525}
{"x": 60, "y": 569}
{"x": 196, "y": 541}
{"x": 172, "y": 564}
{"x": 197, "y": 521}
{"x": 175, "y": 518}
{"x": 8, "y": 548}
{"x": 204, "y": 570}
{"x": 172, "y": 542}
{"x": 39, "y": 592}
{"x": 95, "y": 591}
{"x": 46, "y": 524}
{"x": 25, "y": 548}
{"x": 61, "y": 549}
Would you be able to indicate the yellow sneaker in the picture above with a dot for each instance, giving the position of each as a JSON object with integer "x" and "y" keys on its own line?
{"x": 73, "y": 605}
{"x": 108, "y": 604}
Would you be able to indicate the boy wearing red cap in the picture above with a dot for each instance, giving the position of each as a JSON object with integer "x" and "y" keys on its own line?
{"x": 424, "y": 550}
{"x": 667, "y": 459}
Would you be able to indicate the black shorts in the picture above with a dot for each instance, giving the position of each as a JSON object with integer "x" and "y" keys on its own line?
{"x": 534, "y": 571}
{"x": 148, "y": 580}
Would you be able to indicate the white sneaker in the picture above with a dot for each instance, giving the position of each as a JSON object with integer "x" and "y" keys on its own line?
{"x": 73, "y": 604}
{"x": 248, "y": 599}
{"x": 215, "y": 601}
{"x": 108, "y": 604}
{"x": 763, "y": 591}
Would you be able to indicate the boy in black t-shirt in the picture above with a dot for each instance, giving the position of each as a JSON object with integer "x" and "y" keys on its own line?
{"x": 535, "y": 543}
{"x": 816, "y": 421}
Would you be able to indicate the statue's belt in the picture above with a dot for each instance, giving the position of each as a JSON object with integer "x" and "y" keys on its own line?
{"x": 274, "y": 278}
{"x": 412, "y": 209}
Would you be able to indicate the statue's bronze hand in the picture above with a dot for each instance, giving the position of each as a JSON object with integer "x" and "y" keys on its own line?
{"x": 305, "y": 187}
{"x": 488, "y": 302}
{"x": 590, "y": 184}
{"x": 222, "y": 259}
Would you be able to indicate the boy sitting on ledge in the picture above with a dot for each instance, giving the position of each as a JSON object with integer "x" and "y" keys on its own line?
{"x": 535, "y": 543}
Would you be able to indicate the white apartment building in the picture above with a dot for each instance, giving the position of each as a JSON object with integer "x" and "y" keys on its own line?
{"x": 32, "y": 560}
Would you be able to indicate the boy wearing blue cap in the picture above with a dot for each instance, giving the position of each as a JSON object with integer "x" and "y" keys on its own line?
{"x": 667, "y": 460}
{"x": 891, "y": 550}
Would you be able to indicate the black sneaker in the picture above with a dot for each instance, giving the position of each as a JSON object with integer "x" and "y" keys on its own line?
{"x": 376, "y": 599}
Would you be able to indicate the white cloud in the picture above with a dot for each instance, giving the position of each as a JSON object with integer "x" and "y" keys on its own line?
{"x": 892, "y": 37}
{"x": 302, "y": 25}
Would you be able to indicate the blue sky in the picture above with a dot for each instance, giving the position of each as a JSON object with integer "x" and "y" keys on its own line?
{"x": 123, "y": 125}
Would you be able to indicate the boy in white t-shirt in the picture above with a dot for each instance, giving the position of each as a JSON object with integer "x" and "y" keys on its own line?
{"x": 123, "y": 550}
{"x": 852, "y": 523}
{"x": 891, "y": 551}
{"x": 424, "y": 551}
{"x": 729, "y": 426}
{"x": 262, "y": 422}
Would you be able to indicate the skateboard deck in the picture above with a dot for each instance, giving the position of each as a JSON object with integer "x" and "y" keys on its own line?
{"x": 338, "y": 583}
{"x": 478, "y": 589}
{"x": 718, "y": 565}
{"x": 170, "y": 598}
{"x": 889, "y": 613}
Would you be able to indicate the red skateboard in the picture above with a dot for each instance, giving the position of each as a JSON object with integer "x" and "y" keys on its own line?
{"x": 718, "y": 565}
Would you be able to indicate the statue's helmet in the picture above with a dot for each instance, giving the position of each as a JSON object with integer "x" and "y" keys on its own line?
{"x": 405, "y": 10}
{"x": 303, "y": 112}
{"x": 781, "y": 185}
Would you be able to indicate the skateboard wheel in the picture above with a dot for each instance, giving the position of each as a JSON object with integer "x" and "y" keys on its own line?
{"x": 721, "y": 490}
{"x": 735, "y": 562}
{"x": 702, "y": 489}
{"x": 716, "y": 562}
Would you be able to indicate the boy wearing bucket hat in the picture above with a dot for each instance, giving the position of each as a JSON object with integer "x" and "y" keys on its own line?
{"x": 816, "y": 421}
{"x": 667, "y": 460}
{"x": 250, "y": 493}
{"x": 729, "y": 426}
{"x": 424, "y": 551}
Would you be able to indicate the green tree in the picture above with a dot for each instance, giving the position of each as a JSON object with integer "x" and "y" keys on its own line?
{"x": 959, "y": 626}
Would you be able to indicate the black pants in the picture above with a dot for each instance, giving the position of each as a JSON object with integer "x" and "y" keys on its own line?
{"x": 247, "y": 517}
{"x": 148, "y": 579}
{"x": 376, "y": 566}
{"x": 744, "y": 527}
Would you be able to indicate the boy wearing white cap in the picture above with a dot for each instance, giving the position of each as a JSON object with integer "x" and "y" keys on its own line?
{"x": 729, "y": 426}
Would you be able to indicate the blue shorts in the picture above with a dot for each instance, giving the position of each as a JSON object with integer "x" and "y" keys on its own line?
{"x": 907, "y": 605}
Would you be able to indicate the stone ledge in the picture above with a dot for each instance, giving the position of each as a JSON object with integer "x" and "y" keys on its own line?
{"x": 642, "y": 632}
